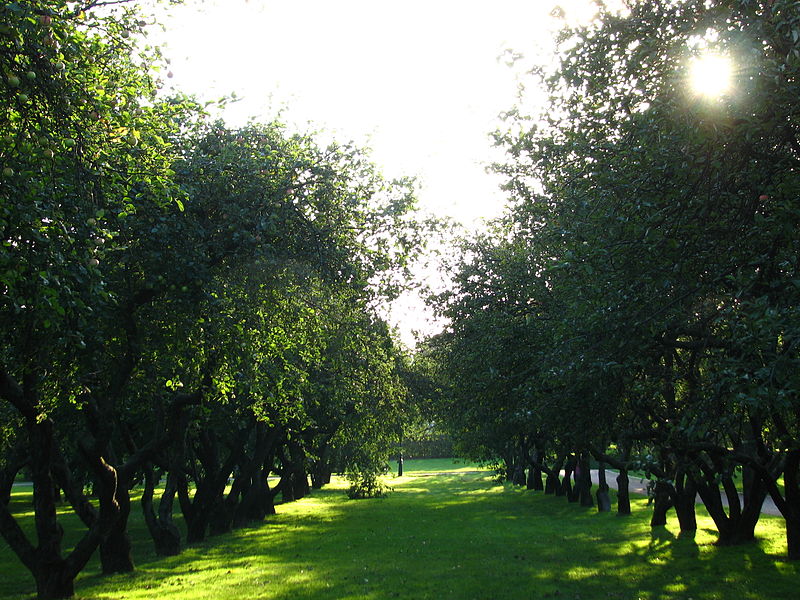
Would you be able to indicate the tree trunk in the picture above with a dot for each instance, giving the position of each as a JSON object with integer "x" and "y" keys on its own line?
{"x": 286, "y": 488}
{"x": 621, "y": 464}
{"x": 662, "y": 503}
{"x": 793, "y": 538}
{"x": 166, "y": 536}
{"x": 603, "y": 497}
{"x": 566, "y": 483}
{"x": 54, "y": 583}
{"x": 791, "y": 512}
{"x": 221, "y": 518}
{"x": 623, "y": 493}
{"x": 265, "y": 496}
{"x": 534, "y": 481}
{"x": 54, "y": 575}
{"x": 584, "y": 481}
{"x": 115, "y": 549}
{"x": 208, "y": 509}
{"x": 685, "y": 503}
{"x": 789, "y": 503}
{"x": 196, "y": 529}
{"x": 298, "y": 467}
{"x": 737, "y": 525}
{"x": 50, "y": 572}
{"x": 519, "y": 474}
{"x": 535, "y": 472}
{"x": 257, "y": 499}
{"x": 553, "y": 482}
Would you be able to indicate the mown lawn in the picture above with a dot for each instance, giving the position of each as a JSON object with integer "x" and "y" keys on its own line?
{"x": 448, "y": 535}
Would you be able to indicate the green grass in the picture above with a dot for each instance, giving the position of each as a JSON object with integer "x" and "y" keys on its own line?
{"x": 436, "y": 465}
{"x": 450, "y": 535}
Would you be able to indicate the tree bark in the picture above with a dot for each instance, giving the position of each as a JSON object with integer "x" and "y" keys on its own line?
{"x": 791, "y": 510}
{"x": 54, "y": 575}
{"x": 566, "y": 482}
{"x": 166, "y": 536}
{"x": 115, "y": 550}
{"x": 623, "y": 493}
{"x": 298, "y": 465}
{"x": 208, "y": 511}
{"x": 737, "y": 525}
{"x": 662, "y": 503}
{"x": 534, "y": 481}
{"x": 686, "y": 502}
{"x": 553, "y": 482}
{"x": 584, "y": 481}
{"x": 603, "y": 496}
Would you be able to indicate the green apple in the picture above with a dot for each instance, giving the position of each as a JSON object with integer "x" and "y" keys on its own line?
{"x": 8, "y": 172}
{"x": 13, "y": 81}
{"x": 31, "y": 75}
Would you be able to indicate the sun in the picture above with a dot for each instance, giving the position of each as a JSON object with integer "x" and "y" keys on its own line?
{"x": 710, "y": 75}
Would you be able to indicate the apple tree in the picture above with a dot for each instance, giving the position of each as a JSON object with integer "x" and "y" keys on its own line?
{"x": 82, "y": 127}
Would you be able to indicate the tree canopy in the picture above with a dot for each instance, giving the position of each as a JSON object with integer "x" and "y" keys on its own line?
{"x": 638, "y": 301}
{"x": 183, "y": 301}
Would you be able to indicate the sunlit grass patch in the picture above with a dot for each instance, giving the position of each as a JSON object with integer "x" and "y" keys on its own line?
{"x": 447, "y": 536}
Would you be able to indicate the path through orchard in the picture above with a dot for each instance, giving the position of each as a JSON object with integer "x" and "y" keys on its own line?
{"x": 447, "y": 535}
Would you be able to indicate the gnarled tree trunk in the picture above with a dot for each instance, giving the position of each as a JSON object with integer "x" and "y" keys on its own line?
{"x": 603, "y": 497}
{"x": 685, "y": 502}
{"x": 165, "y": 534}
{"x": 662, "y": 503}
{"x": 583, "y": 481}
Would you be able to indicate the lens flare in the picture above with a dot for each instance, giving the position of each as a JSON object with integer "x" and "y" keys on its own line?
{"x": 710, "y": 75}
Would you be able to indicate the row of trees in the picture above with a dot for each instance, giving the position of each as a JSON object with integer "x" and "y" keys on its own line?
{"x": 639, "y": 302}
{"x": 182, "y": 303}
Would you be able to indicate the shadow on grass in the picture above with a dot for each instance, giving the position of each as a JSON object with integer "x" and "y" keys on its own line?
{"x": 455, "y": 536}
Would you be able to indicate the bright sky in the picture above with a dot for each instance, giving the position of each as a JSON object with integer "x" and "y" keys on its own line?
{"x": 420, "y": 82}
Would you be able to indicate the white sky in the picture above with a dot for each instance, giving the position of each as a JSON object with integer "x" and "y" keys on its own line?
{"x": 417, "y": 81}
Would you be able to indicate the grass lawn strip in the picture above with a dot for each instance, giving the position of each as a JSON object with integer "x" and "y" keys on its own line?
{"x": 451, "y": 535}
